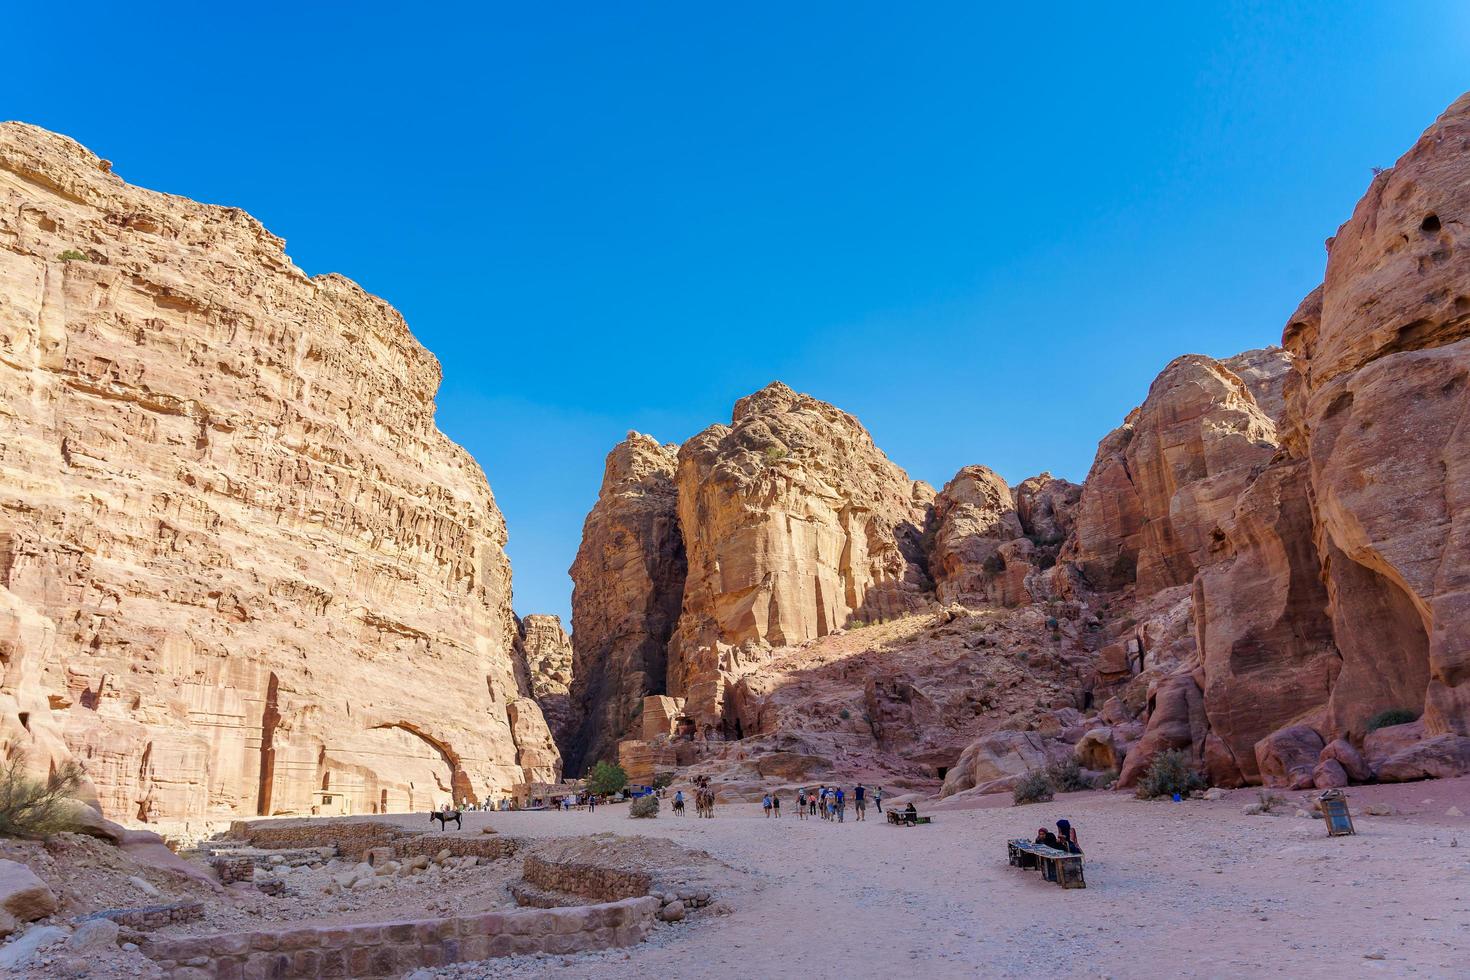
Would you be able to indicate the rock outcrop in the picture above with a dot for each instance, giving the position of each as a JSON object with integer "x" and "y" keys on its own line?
{"x": 547, "y": 652}
{"x": 1165, "y": 480}
{"x": 795, "y": 525}
{"x": 628, "y": 584}
{"x": 241, "y": 570}
{"x": 978, "y": 552}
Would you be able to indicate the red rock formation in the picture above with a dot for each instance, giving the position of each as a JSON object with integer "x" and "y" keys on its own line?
{"x": 1163, "y": 481}
{"x": 240, "y": 568}
{"x": 972, "y": 557}
{"x": 795, "y": 525}
{"x": 628, "y": 583}
{"x": 547, "y": 653}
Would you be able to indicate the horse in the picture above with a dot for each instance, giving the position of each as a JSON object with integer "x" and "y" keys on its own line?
{"x": 444, "y": 819}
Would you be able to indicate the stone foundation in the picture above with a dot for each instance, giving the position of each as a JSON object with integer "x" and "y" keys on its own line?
{"x": 393, "y": 948}
{"x": 352, "y": 838}
{"x": 588, "y": 881}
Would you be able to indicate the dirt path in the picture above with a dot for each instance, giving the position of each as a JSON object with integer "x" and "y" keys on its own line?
{"x": 1191, "y": 889}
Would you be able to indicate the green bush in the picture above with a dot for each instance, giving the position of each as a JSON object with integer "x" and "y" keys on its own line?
{"x": 1034, "y": 787}
{"x": 644, "y": 808}
{"x": 1170, "y": 772}
{"x": 844, "y": 714}
{"x": 607, "y": 778}
{"x": 1066, "y": 777}
{"x": 35, "y": 808}
{"x": 774, "y": 453}
{"x": 1391, "y": 717}
{"x": 72, "y": 255}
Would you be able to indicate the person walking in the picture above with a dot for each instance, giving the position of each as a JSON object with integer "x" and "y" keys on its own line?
{"x": 811, "y": 802}
{"x": 841, "y": 804}
{"x": 591, "y": 802}
{"x": 859, "y": 805}
{"x": 878, "y": 798}
{"x": 766, "y": 805}
{"x": 801, "y": 803}
{"x": 776, "y": 806}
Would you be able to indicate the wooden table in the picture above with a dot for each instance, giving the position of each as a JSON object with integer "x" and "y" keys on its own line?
{"x": 1062, "y": 867}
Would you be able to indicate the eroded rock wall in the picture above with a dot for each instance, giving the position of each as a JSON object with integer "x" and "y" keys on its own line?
{"x": 628, "y": 584}
{"x": 547, "y": 652}
{"x": 795, "y": 525}
{"x": 241, "y": 570}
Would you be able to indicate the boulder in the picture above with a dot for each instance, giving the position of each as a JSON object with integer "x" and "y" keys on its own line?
{"x": 1329, "y": 774}
{"x": 1176, "y": 720}
{"x": 1354, "y": 766}
{"x": 20, "y": 952}
{"x": 1102, "y": 749}
{"x": 973, "y": 524}
{"x": 994, "y": 757}
{"x": 1288, "y": 756}
{"x": 23, "y": 894}
{"x": 94, "y": 936}
{"x": 1439, "y": 757}
{"x": 1380, "y": 745}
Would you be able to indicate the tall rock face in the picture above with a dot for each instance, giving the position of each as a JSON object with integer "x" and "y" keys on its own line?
{"x": 1384, "y": 354}
{"x": 1265, "y": 373}
{"x": 795, "y": 525}
{"x": 978, "y": 552}
{"x": 628, "y": 585}
{"x": 547, "y": 652}
{"x": 1166, "y": 479}
{"x": 241, "y": 570}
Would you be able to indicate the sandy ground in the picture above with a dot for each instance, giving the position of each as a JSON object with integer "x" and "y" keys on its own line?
{"x": 1194, "y": 889}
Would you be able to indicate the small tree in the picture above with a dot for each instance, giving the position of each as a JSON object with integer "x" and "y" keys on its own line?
{"x": 1066, "y": 777}
{"x": 645, "y": 807}
{"x": 1170, "y": 772}
{"x": 31, "y": 807}
{"x": 606, "y": 778}
{"x": 1033, "y": 787}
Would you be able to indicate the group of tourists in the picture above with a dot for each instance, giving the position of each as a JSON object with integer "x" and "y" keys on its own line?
{"x": 828, "y": 802}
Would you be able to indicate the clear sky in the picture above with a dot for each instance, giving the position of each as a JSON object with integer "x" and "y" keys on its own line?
{"x": 982, "y": 229}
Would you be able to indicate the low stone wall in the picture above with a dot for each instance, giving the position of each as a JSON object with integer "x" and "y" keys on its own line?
{"x": 232, "y": 869}
{"x": 488, "y": 846}
{"x": 351, "y": 838}
{"x": 589, "y": 881}
{"x": 394, "y": 948}
{"x": 151, "y": 916}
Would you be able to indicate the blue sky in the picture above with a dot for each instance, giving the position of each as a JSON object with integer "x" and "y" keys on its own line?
{"x": 983, "y": 231}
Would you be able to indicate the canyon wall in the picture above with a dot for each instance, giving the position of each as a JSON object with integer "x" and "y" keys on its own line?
{"x": 241, "y": 570}
{"x": 628, "y": 584}
{"x": 546, "y": 651}
{"x": 795, "y": 525}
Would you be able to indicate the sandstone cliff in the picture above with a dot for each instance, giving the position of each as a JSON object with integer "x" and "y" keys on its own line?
{"x": 795, "y": 525}
{"x": 628, "y": 583}
{"x": 240, "y": 569}
{"x": 547, "y": 653}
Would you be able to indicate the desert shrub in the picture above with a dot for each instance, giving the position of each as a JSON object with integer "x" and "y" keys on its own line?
{"x": 1391, "y": 717}
{"x": 1052, "y": 623}
{"x": 844, "y": 714}
{"x": 1170, "y": 772}
{"x": 644, "y": 808}
{"x": 33, "y": 807}
{"x": 994, "y": 565}
{"x": 856, "y": 624}
{"x": 774, "y": 453}
{"x": 1270, "y": 802}
{"x": 1106, "y": 779}
{"x": 1066, "y": 777}
{"x": 663, "y": 780}
{"x": 72, "y": 255}
{"x": 606, "y": 778}
{"x": 1033, "y": 787}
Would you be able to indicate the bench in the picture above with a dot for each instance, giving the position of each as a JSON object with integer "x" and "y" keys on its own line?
{"x": 1062, "y": 867}
{"x": 901, "y": 818}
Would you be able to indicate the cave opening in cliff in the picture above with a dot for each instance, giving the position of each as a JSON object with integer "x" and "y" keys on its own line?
{"x": 1430, "y": 224}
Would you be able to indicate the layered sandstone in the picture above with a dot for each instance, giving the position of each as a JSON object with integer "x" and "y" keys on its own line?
{"x": 547, "y": 652}
{"x": 1165, "y": 480}
{"x": 628, "y": 583}
{"x": 795, "y": 525}
{"x": 241, "y": 570}
{"x": 977, "y": 553}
